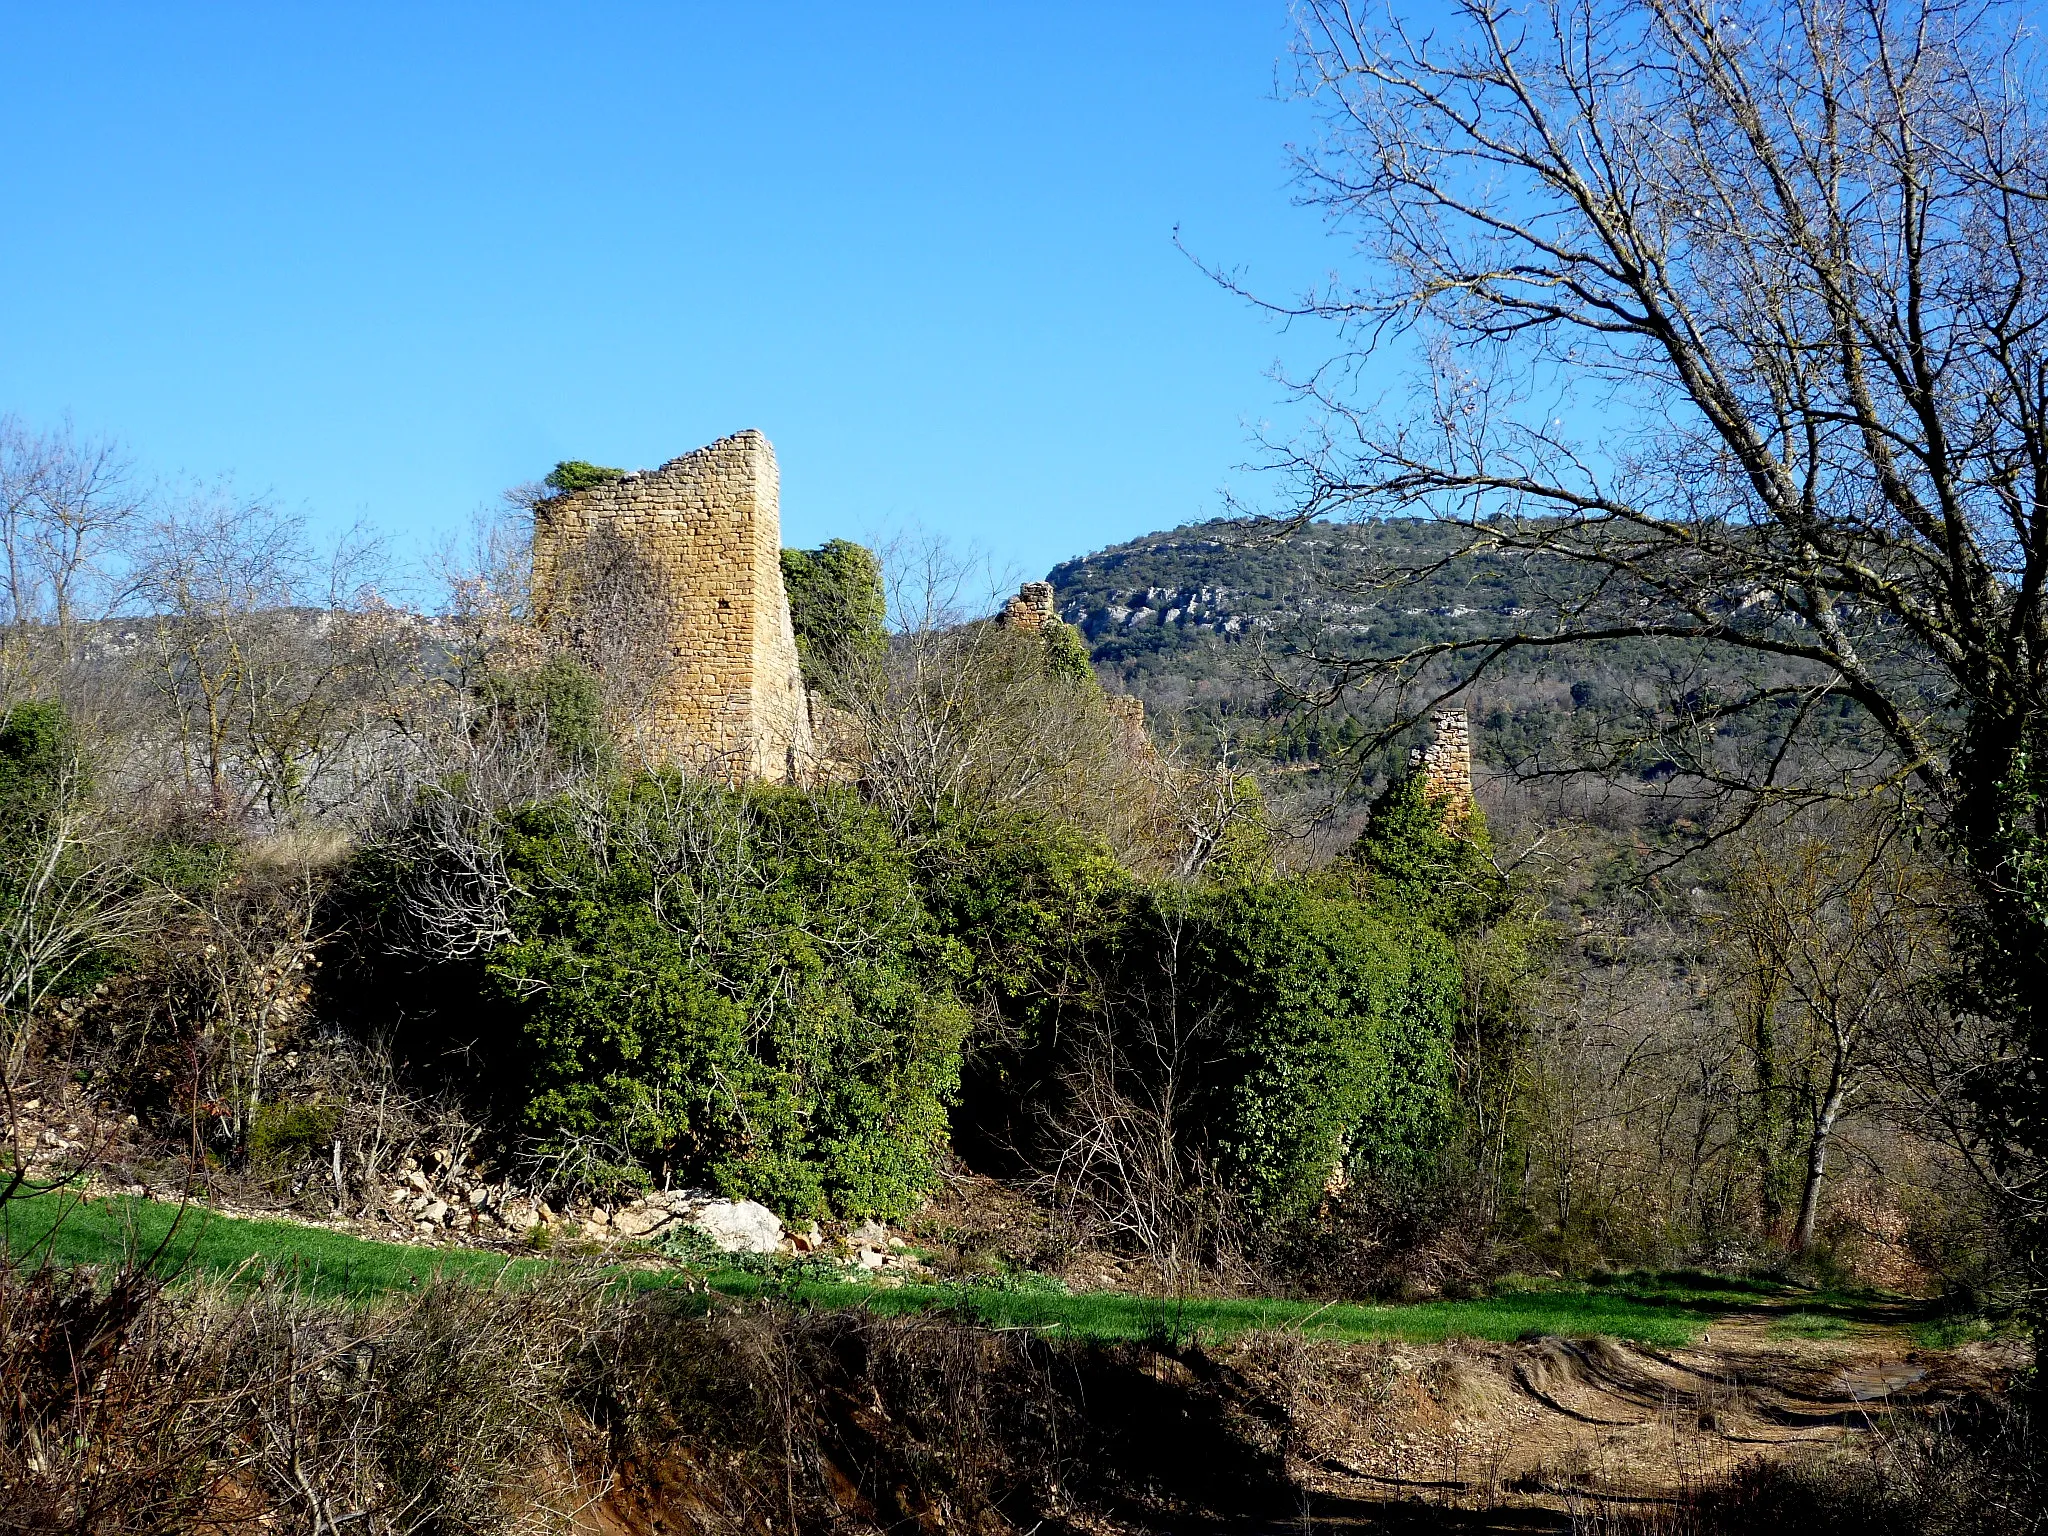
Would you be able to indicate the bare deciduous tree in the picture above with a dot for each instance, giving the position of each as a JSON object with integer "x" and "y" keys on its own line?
{"x": 487, "y": 582}
{"x": 63, "y": 504}
{"x": 610, "y": 603}
{"x": 66, "y": 889}
{"x": 1117, "y": 1157}
{"x": 246, "y": 981}
{"x": 272, "y": 664}
{"x": 1838, "y": 941}
{"x": 66, "y": 504}
{"x": 1725, "y": 322}
{"x": 961, "y": 717}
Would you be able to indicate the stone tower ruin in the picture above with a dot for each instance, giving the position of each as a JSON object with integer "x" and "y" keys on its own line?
{"x": 669, "y": 582}
{"x": 1032, "y": 607}
{"x": 1446, "y": 763}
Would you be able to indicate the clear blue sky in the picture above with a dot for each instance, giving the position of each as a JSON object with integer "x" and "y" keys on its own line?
{"x": 383, "y": 260}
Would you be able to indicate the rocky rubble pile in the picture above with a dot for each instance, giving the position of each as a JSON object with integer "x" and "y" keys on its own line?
{"x": 60, "y": 1125}
{"x": 438, "y": 1197}
{"x": 445, "y": 1202}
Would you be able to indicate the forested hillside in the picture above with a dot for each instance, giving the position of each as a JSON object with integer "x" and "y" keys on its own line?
{"x": 1211, "y": 622}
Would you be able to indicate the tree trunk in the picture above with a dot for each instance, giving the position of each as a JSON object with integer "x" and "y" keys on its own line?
{"x": 1817, "y": 1161}
{"x": 2001, "y": 828}
{"x": 1766, "y": 1128}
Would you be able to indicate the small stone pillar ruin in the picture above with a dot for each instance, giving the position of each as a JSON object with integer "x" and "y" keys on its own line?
{"x": 1446, "y": 763}
{"x": 1034, "y": 608}
{"x": 669, "y": 583}
{"x": 1031, "y": 608}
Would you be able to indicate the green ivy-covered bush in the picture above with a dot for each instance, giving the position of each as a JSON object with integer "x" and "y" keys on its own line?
{"x": 562, "y": 699}
{"x": 36, "y": 753}
{"x": 1330, "y": 1041}
{"x": 1274, "y": 1032}
{"x": 1022, "y": 894}
{"x": 1031, "y": 903}
{"x": 1421, "y": 856}
{"x": 738, "y": 988}
{"x": 837, "y": 609}
{"x": 1066, "y": 654}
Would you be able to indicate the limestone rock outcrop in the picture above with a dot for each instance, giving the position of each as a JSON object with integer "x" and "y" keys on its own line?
{"x": 734, "y": 1226}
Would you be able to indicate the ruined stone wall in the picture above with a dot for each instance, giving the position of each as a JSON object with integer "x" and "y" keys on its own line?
{"x": 1032, "y": 607}
{"x": 1446, "y": 763}
{"x": 670, "y": 581}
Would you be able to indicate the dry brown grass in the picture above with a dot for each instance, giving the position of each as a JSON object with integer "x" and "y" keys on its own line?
{"x": 133, "y": 1410}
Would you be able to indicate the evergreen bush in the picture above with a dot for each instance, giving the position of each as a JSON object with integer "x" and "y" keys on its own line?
{"x": 1031, "y": 902}
{"x": 576, "y": 475}
{"x": 1424, "y": 856}
{"x": 563, "y": 699}
{"x": 741, "y": 988}
{"x": 1066, "y": 654}
{"x": 1331, "y": 1041}
{"x": 36, "y": 751}
{"x": 837, "y": 609}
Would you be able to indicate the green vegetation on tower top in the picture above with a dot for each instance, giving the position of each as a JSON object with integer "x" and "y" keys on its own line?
{"x": 1066, "y": 654}
{"x": 576, "y": 475}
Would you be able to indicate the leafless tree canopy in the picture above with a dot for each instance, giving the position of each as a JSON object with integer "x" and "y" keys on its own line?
{"x": 1720, "y": 326}
{"x": 269, "y": 663}
{"x": 1833, "y": 945}
{"x": 1725, "y": 319}
{"x": 959, "y": 717}
{"x": 64, "y": 504}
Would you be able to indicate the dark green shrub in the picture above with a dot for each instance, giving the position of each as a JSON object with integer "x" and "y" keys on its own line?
{"x": 1031, "y": 903}
{"x": 1066, "y": 654}
{"x": 36, "y": 755}
{"x": 1423, "y": 858}
{"x": 1332, "y": 1029}
{"x": 576, "y": 475}
{"x": 1249, "y": 1047}
{"x": 742, "y": 988}
{"x": 837, "y": 608}
{"x": 283, "y": 1134}
{"x": 563, "y": 697}
{"x": 1025, "y": 895}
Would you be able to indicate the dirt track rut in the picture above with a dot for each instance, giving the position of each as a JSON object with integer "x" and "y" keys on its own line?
{"x": 1515, "y": 1437}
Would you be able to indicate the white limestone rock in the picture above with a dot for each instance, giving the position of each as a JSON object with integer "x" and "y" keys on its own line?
{"x": 520, "y": 1214}
{"x": 734, "y": 1226}
{"x": 739, "y": 1226}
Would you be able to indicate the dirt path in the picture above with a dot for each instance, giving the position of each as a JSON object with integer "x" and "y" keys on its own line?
{"x": 1515, "y": 1437}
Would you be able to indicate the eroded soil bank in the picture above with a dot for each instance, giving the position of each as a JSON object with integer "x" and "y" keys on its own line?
{"x": 576, "y": 1403}
{"x": 1272, "y": 1431}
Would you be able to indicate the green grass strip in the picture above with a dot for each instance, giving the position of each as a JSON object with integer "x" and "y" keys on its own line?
{"x": 1809, "y": 1325}
{"x": 336, "y": 1264}
{"x": 199, "y": 1241}
{"x": 1115, "y": 1315}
